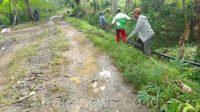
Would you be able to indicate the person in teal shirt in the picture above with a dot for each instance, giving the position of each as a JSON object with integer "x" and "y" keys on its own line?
{"x": 120, "y": 22}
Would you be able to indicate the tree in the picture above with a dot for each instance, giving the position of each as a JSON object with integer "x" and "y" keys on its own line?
{"x": 186, "y": 33}
{"x": 114, "y": 6}
{"x": 29, "y": 10}
{"x": 156, "y": 5}
{"x": 95, "y": 5}
{"x": 15, "y": 12}
{"x": 197, "y": 29}
{"x": 183, "y": 40}
{"x": 184, "y": 10}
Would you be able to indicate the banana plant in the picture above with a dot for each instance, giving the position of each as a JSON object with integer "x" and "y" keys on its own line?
{"x": 190, "y": 108}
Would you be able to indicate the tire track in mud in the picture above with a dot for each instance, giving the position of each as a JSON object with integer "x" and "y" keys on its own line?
{"x": 95, "y": 84}
{"x": 16, "y": 40}
{"x": 38, "y": 81}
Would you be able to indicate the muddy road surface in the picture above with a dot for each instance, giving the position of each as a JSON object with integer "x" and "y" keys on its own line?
{"x": 65, "y": 73}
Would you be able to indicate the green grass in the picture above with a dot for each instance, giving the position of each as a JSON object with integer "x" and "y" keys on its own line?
{"x": 16, "y": 71}
{"x": 157, "y": 79}
{"x": 58, "y": 46}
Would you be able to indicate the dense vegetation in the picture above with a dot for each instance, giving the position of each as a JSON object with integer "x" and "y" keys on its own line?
{"x": 168, "y": 19}
{"x": 163, "y": 85}
{"x": 159, "y": 83}
{"x": 19, "y": 11}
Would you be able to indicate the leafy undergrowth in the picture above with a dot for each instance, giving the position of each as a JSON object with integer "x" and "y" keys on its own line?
{"x": 160, "y": 84}
{"x": 190, "y": 52}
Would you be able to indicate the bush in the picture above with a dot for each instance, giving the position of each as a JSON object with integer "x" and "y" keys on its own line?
{"x": 78, "y": 11}
{"x": 195, "y": 76}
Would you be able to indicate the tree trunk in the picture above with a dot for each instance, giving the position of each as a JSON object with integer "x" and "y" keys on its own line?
{"x": 197, "y": 29}
{"x": 135, "y": 3}
{"x": 129, "y": 4}
{"x": 185, "y": 12}
{"x": 183, "y": 40}
{"x": 186, "y": 33}
{"x": 114, "y": 6}
{"x": 29, "y": 10}
{"x": 184, "y": 5}
{"x": 95, "y": 5}
{"x": 61, "y": 3}
{"x": 15, "y": 13}
{"x": 15, "y": 17}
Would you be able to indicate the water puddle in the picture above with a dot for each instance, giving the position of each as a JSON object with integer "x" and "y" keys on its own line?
{"x": 105, "y": 74}
{"x": 103, "y": 82}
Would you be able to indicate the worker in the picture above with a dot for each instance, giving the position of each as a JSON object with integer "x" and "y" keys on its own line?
{"x": 120, "y": 22}
{"x": 102, "y": 21}
{"x": 143, "y": 29}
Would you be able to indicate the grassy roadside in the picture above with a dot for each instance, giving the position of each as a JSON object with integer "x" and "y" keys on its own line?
{"x": 158, "y": 83}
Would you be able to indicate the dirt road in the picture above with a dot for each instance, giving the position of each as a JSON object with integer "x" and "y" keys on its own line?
{"x": 75, "y": 78}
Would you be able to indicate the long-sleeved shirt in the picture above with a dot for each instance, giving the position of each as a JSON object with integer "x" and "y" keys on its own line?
{"x": 120, "y": 20}
{"x": 102, "y": 20}
{"x": 143, "y": 29}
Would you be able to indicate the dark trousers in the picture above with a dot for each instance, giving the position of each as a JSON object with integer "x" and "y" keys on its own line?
{"x": 146, "y": 46}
